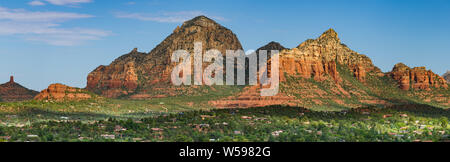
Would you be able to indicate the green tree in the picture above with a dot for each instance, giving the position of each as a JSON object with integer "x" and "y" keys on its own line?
{"x": 444, "y": 122}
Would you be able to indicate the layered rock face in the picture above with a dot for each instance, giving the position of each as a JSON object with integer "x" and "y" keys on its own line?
{"x": 447, "y": 76}
{"x": 60, "y": 92}
{"x": 317, "y": 59}
{"x": 320, "y": 57}
{"x": 120, "y": 77}
{"x": 416, "y": 78}
{"x": 137, "y": 70}
{"x": 12, "y": 91}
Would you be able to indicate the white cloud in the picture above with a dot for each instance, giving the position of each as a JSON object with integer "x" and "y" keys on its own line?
{"x": 166, "y": 17}
{"x": 27, "y": 16}
{"x": 59, "y": 2}
{"x": 36, "y": 3}
{"x": 46, "y": 27}
{"x": 71, "y": 39}
{"x": 67, "y": 2}
{"x": 131, "y": 3}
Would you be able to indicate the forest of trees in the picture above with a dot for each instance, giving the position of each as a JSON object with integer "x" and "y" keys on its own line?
{"x": 407, "y": 123}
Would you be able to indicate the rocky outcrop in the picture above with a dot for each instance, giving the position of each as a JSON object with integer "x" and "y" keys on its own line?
{"x": 416, "y": 78}
{"x": 60, "y": 92}
{"x": 12, "y": 91}
{"x": 319, "y": 58}
{"x": 446, "y": 76}
{"x": 119, "y": 78}
{"x": 315, "y": 58}
{"x": 140, "y": 71}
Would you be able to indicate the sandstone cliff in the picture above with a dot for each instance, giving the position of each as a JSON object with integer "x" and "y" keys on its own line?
{"x": 60, "y": 92}
{"x": 141, "y": 71}
{"x": 12, "y": 91}
{"x": 317, "y": 58}
{"x": 120, "y": 77}
{"x": 416, "y": 78}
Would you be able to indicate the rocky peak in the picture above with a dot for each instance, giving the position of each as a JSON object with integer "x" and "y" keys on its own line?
{"x": 400, "y": 67}
{"x": 319, "y": 57}
{"x": 328, "y": 38}
{"x": 202, "y": 21}
{"x": 154, "y": 68}
{"x": 12, "y": 91}
{"x": 329, "y": 35}
{"x": 416, "y": 78}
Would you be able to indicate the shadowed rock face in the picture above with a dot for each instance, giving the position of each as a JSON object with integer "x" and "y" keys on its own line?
{"x": 447, "y": 76}
{"x": 12, "y": 91}
{"x": 134, "y": 71}
{"x": 60, "y": 92}
{"x": 416, "y": 78}
{"x": 271, "y": 46}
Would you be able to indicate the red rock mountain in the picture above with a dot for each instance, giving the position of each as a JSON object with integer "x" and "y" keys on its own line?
{"x": 324, "y": 72}
{"x": 12, "y": 91}
{"x": 141, "y": 72}
{"x": 316, "y": 58}
{"x": 416, "y": 78}
{"x": 321, "y": 72}
{"x": 60, "y": 92}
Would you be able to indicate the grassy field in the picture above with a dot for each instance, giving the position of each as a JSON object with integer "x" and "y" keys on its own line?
{"x": 99, "y": 108}
{"x": 90, "y": 110}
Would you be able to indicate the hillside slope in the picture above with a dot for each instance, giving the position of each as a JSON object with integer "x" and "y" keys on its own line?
{"x": 12, "y": 91}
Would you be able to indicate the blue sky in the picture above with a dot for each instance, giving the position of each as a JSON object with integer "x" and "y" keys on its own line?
{"x": 61, "y": 41}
